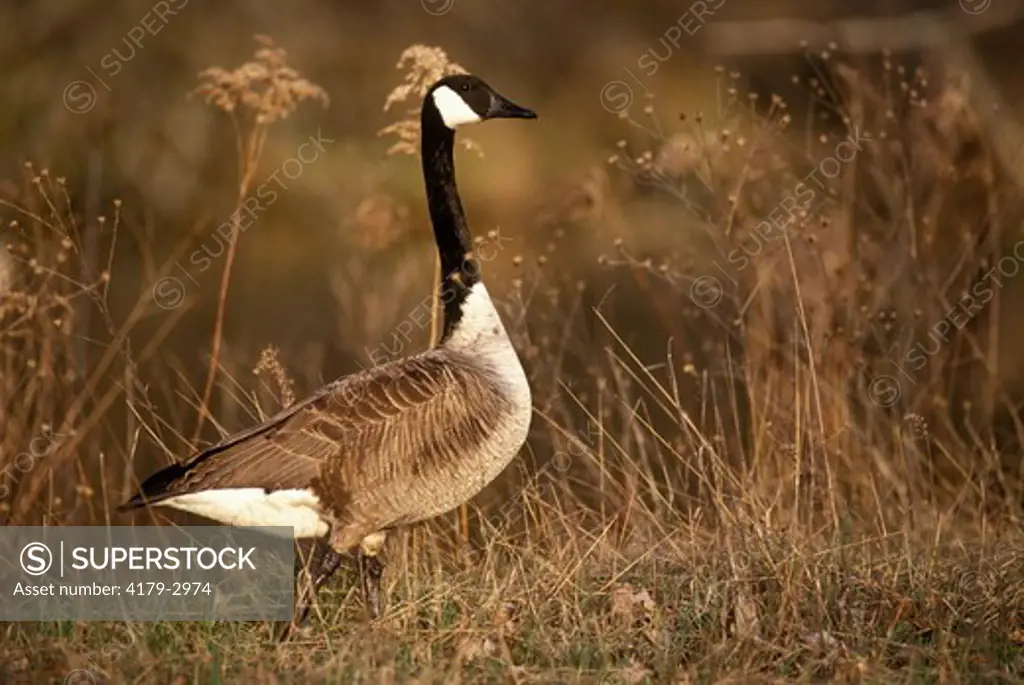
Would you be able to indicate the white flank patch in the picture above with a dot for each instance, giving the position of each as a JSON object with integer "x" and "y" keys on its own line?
{"x": 256, "y": 507}
{"x": 454, "y": 110}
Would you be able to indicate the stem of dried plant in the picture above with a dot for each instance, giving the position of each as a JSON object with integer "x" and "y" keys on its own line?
{"x": 254, "y": 96}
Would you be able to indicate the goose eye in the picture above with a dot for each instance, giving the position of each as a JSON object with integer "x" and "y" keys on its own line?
{"x": 464, "y": 87}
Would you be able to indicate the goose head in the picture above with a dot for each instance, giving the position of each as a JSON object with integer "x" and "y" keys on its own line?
{"x": 465, "y": 99}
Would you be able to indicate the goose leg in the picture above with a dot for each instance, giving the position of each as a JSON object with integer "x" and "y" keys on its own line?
{"x": 371, "y": 569}
{"x": 313, "y": 567}
{"x": 328, "y": 567}
{"x": 322, "y": 566}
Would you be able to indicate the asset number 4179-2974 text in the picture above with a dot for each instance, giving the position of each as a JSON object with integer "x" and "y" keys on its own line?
{"x": 176, "y": 588}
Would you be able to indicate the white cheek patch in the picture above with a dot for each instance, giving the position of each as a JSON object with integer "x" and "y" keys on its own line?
{"x": 454, "y": 110}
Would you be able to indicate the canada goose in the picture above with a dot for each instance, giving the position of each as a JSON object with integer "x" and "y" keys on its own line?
{"x": 401, "y": 442}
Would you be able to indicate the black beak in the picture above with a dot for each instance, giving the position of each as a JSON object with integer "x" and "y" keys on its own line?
{"x": 503, "y": 108}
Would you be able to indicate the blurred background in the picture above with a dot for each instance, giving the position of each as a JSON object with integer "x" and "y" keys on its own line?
{"x": 785, "y": 374}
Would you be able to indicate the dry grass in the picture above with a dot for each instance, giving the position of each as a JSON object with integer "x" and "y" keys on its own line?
{"x": 592, "y": 610}
{"x": 709, "y": 494}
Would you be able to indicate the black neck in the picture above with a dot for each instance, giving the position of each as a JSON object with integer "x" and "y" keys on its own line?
{"x": 459, "y": 268}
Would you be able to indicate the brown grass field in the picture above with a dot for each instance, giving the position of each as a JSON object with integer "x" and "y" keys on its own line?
{"x": 772, "y": 336}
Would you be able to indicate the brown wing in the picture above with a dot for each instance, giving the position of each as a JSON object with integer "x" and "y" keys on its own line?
{"x": 404, "y": 443}
{"x": 390, "y": 426}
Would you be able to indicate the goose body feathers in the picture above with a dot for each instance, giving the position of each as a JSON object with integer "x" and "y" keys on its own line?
{"x": 392, "y": 445}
